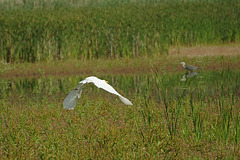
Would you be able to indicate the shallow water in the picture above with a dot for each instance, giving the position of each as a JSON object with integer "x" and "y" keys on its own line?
{"x": 153, "y": 85}
{"x": 128, "y": 85}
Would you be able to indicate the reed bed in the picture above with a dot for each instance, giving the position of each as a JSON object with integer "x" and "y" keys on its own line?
{"x": 31, "y": 34}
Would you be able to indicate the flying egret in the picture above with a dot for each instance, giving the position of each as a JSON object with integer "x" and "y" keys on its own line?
{"x": 71, "y": 100}
{"x": 189, "y": 67}
{"x": 187, "y": 75}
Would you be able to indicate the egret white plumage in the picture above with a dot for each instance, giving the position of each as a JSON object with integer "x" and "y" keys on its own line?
{"x": 71, "y": 100}
{"x": 189, "y": 67}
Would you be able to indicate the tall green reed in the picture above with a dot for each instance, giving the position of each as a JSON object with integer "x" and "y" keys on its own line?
{"x": 237, "y": 130}
{"x": 131, "y": 30}
{"x": 197, "y": 118}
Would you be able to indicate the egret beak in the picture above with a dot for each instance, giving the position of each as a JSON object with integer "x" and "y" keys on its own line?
{"x": 106, "y": 81}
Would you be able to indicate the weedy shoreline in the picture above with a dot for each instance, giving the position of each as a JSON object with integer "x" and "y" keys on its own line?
{"x": 207, "y": 57}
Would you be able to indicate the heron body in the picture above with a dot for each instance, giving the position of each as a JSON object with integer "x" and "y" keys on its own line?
{"x": 71, "y": 100}
{"x": 189, "y": 67}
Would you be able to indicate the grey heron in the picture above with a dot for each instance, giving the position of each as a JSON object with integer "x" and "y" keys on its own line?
{"x": 71, "y": 100}
{"x": 189, "y": 67}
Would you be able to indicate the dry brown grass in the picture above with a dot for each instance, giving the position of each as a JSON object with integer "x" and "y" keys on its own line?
{"x": 225, "y": 50}
{"x": 208, "y": 58}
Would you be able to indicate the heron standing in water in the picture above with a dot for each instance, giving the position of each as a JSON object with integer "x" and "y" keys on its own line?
{"x": 189, "y": 67}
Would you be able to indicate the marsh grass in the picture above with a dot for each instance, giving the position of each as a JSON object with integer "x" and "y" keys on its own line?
{"x": 198, "y": 118}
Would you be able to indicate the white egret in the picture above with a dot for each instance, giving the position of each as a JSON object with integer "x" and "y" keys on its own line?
{"x": 71, "y": 100}
{"x": 189, "y": 67}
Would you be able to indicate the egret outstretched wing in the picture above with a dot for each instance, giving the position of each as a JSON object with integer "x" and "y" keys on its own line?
{"x": 71, "y": 100}
{"x": 100, "y": 84}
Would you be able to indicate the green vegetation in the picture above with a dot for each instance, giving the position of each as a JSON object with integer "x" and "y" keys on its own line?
{"x": 125, "y": 42}
{"x": 32, "y": 32}
{"x": 198, "y": 118}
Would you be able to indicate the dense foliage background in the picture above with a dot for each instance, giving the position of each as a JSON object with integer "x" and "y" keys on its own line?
{"x": 44, "y": 30}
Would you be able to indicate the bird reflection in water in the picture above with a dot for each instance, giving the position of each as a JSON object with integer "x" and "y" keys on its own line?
{"x": 188, "y": 75}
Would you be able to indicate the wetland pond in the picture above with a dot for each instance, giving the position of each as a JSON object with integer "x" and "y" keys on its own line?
{"x": 155, "y": 86}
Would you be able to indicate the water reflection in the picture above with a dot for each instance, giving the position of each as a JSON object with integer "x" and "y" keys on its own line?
{"x": 188, "y": 75}
{"x": 52, "y": 85}
{"x": 152, "y": 85}
{"x": 42, "y": 86}
{"x": 134, "y": 85}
